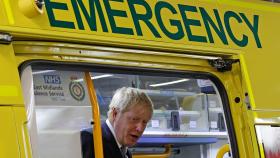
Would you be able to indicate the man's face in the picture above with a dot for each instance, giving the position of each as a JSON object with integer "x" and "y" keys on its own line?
{"x": 130, "y": 125}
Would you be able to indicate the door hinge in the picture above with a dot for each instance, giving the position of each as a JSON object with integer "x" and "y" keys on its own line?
{"x": 5, "y": 38}
{"x": 222, "y": 65}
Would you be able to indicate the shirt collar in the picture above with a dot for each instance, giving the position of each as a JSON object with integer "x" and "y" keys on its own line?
{"x": 113, "y": 132}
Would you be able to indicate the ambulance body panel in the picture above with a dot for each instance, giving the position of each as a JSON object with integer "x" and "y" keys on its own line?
{"x": 163, "y": 38}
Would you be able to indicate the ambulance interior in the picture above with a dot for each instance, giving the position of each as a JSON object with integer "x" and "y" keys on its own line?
{"x": 188, "y": 110}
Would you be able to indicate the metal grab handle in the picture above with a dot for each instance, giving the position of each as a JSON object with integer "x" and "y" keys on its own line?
{"x": 221, "y": 152}
{"x": 166, "y": 154}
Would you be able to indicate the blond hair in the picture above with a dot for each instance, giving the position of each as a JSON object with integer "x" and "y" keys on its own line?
{"x": 127, "y": 97}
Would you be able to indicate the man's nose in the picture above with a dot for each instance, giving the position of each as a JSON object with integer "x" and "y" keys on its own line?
{"x": 140, "y": 127}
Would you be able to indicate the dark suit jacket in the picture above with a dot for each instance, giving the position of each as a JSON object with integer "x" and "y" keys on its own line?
{"x": 110, "y": 146}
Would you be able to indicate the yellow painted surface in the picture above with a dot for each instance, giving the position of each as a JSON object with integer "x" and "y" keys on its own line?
{"x": 9, "y": 12}
{"x": 8, "y": 134}
{"x": 10, "y": 90}
{"x": 261, "y": 64}
{"x": 22, "y": 132}
{"x": 2, "y": 14}
{"x": 261, "y": 61}
{"x": 42, "y": 25}
{"x": 257, "y": 74}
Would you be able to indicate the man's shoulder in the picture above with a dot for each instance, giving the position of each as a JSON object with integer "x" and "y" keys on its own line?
{"x": 87, "y": 130}
{"x": 90, "y": 129}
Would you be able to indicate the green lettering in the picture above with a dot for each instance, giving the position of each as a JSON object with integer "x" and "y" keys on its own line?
{"x": 177, "y": 35}
{"x": 218, "y": 29}
{"x": 77, "y": 15}
{"x": 191, "y": 22}
{"x": 230, "y": 14}
{"x": 90, "y": 17}
{"x": 57, "y": 23}
{"x": 254, "y": 28}
{"x": 112, "y": 13}
{"x": 143, "y": 17}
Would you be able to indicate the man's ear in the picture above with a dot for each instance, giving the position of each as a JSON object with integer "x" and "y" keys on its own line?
{"x": 115, "y": 113}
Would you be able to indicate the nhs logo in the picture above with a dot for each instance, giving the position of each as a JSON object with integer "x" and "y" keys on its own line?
{"x": 52, "y": 79}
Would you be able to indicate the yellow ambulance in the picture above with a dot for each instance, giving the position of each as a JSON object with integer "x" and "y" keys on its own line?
{"x": 210, "y": 68}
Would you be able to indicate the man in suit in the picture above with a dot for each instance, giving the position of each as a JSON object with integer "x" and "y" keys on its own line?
{"x": 129, "y": 112}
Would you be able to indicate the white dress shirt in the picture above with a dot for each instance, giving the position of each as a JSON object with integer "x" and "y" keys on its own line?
{"x": 113, "y": 132}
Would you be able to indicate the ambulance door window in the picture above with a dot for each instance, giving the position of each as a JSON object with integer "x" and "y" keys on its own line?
{"x": 184, "y": 107}
{"x": 61, "y": 109}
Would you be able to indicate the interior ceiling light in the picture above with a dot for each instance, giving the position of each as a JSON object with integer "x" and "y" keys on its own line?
{"x": 168, "y": 83}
